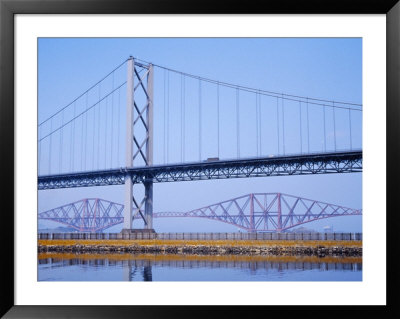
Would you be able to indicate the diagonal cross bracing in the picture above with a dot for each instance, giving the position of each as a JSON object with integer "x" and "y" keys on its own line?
{"x": 87, "y": 215}
{"x": 338, "y": 162}
{"x": 138, "y": 109}
{"x": 93, "y": 215}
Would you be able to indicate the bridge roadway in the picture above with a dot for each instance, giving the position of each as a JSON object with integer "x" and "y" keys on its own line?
{"x": 305, "y": 164}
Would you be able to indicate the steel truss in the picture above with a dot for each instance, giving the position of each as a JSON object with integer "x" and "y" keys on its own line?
{"x": 266, "y": 212}
{"x": 308, "y": 164}
{"x": 87, "y": 215}
{"x": 259, "y": 212}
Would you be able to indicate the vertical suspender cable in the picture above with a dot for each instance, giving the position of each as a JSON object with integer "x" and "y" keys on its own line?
{"x": 218, "y": 118}
{"x": 86, "y": 116}
{"x": 199, "y": 120}
{"x": 237, "y": 123}
{"x": 181, "y": 118}
{"x": 184, "y": 115}
{"x": 105, "y": 135}
{"x": 98, "y": 130}
{"x": 70, "y": 149}
{"x": 324, "y": 132}
{"x": 167, "y": 116}
{"x": 308, "y": 130}
{"x": 277, "y": 123}
{"x": 93, "y": 134}
{"x": 301, "y": 131}
{"x": 351, "y": 141}
{"x": 82, "y": 130}
{"x": 51, "y": 129}
{"x": 164, "y": 112}
{"x": 112, "y": 122}
{"x": 61, "y": 140}
{"x": 73, "y": 140}
{"x": 119, "y": 124}
{"x": 283, "y": 125}
{"x": 98, "y": 136}
{"x": 39, "y": 147}
{"x": 257, "y": 144}
{"x": 259, "y": 120}
{"x": 334, "y": 125}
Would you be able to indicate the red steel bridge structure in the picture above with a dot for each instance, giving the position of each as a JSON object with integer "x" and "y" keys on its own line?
{"x": 256, "y": 212}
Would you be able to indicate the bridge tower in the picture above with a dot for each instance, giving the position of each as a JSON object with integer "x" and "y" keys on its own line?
{"x": 139, "y": 117}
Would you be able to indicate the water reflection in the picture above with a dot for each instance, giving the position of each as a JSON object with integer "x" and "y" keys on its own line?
{"x": 131, "y": 272}
{"x": 141, "y": 266}
{"x": 147, "y": 273}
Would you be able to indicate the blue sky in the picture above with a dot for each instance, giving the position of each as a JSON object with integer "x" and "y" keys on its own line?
{"x": 329, "y": 69}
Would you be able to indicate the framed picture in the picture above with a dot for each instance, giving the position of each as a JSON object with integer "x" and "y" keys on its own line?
{"x": 29, "y": 38}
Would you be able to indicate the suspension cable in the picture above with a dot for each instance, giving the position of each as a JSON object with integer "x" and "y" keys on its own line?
{"x": 249, "y": 89}
{"x": 80, "y": 114}
{"x": 94, "y": 85}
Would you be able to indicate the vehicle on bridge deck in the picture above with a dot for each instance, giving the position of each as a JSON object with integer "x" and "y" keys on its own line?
{"x": 212, "y": 159}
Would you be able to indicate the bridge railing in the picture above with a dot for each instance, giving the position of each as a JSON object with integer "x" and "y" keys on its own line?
{"x": 202, "y": 236}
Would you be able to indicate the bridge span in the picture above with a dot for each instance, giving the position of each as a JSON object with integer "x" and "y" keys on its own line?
{"x": 306, "y": 164}
{"x": 256, "y": 212}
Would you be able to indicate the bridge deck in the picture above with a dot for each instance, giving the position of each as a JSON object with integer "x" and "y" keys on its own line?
{"x": 321, "y": 163}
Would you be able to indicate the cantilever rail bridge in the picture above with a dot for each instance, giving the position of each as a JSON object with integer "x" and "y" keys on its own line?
{"x": 271, "y": 212}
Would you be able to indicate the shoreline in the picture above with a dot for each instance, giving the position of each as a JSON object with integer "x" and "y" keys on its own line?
{"x": 198, "y": 247}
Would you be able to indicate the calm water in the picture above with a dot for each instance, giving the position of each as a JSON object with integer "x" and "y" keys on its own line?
{"x": 129, "y": 267}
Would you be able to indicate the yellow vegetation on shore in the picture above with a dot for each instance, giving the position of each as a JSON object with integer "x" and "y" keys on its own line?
{"x": 188, "y": 257}
{"x": 180, "y": 243}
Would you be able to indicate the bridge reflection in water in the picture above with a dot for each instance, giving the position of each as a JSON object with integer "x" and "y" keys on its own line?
{"x": 139, "y": 267}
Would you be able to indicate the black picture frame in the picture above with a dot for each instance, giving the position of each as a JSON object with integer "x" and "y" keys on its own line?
{"x": 8, "y": 10}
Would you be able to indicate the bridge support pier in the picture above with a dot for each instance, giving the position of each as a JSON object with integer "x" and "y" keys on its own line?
{"x": 128, "y": 203}
{"x": 148, "y": 208}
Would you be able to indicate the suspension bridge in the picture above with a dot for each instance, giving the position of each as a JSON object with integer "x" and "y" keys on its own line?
{"x": 206, "y": 129}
